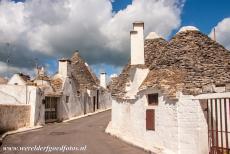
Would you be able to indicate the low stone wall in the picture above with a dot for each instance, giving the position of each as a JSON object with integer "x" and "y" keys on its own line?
{"x": 13, "y": 117}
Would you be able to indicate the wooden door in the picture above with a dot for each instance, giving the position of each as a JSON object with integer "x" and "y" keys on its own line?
{"x": 150, "y": 119}
{"x": 51, "y": 109}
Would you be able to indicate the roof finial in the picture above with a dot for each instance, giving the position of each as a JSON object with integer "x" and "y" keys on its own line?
{"x": 188, "y": 28}
{"x": 152, "y": 35}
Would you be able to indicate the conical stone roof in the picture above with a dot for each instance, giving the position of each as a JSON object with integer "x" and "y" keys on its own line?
{"x": 153, "y": 48}
{"x": 82, "y": 73}
{"x": 201, "y": 60}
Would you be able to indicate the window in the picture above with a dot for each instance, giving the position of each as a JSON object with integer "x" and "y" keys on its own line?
{"x": 67, "y": 99}
{"x": 150, "y": 119}
{"x": 152, "y": 99}
{"x": 78, "y": 94}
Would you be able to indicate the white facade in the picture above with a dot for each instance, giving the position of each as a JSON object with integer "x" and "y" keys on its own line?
{"x": 16, "y": 80}
{"x": 137, "y": 76}
{"x": 24, "y": 95}
{"x": 180, "y": 125}
{"x": 129, "y": 123}
{"x": 75, "y": 102}
{"x": 193, "y": 129}
{"x": 172, "y": 125}
{"x": 137, "y": 44}
{"x": 60, "y": 94}
{"x": 71, "y": 107}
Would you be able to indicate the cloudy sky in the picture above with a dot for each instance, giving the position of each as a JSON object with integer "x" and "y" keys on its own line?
{"x": 42, "y": 31}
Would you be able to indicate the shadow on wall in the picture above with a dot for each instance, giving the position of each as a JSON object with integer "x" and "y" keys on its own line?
{"x": 13, "y": 117}
{"x": 76, "y": 106}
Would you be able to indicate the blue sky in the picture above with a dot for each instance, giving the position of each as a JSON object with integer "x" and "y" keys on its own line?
{"x": 120, "y": 4}
{"x": 204, "y": 14}
{"x": 45, "y": 32}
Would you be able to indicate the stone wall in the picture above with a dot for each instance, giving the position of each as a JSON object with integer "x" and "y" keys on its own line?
{"x": 13, "y": 117}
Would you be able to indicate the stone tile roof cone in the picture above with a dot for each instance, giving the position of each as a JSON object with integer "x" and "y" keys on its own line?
{"x": 199, "y": 61}
{"x": 137, "y": 43}
{"x": 81, "y": 71}
{"x": 75, "y": 56}
{"x": 103, "y": 79}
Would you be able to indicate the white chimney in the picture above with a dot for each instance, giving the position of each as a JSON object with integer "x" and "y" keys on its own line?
{"x": 103, "y": 80}
{"x": 64, "y": 67}
{"x": 137, "y": 44}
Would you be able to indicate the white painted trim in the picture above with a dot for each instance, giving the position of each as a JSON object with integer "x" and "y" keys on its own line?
{"x": 212, "y": 95}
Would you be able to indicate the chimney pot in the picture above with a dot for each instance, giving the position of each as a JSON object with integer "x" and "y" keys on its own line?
{"x": 137, "y": 43}
{"x": 64, "y": 67}
{"x": 103, "y": 79}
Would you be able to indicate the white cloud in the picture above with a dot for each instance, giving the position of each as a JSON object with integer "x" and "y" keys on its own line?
{"x": 53, "y": 28}
{"x": 113, "y": 75}
{"x": 10, "y": 70}
{"x": 12, "y": 21}
{"x": 223, "y": 32}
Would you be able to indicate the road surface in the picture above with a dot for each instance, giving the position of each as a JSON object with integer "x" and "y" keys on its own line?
{"x": 84, "y": 136}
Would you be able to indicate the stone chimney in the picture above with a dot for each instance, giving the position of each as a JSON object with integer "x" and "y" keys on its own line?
{"x": 64, "y": 67}
{"x": 103, "y": 79}
{"x": 137, "y": 44}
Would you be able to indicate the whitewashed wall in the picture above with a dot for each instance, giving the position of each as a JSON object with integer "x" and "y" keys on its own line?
{"x": 16, "y": 79}
{"x": 129, "y": 123}
{"x": 181, "y": 126}
{"x": 78, "y": 105}
{"x": 105, "y": 100}
{"x": 137, "y": 76}
{"x": 193, "y": 131}
{"x": 23, "y": 94}
{"x": 74, "y": 107}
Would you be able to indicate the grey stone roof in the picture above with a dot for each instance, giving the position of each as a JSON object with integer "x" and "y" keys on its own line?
{"x": 153, "y": 49}
{"x": 82, "y": 73}
{"x": 197, "y": 59}
{"x": 56, "y": 84}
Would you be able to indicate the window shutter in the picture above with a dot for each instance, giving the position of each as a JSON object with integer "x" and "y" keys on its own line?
{"x": 150, "y": 119}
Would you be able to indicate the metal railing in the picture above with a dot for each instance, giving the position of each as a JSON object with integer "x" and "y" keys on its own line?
{"x": 218, "y": 119}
